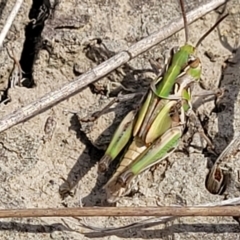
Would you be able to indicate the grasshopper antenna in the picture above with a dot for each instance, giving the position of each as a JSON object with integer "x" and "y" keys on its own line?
{"x": 211, "y": 29}
{"x": 184, "y": 19}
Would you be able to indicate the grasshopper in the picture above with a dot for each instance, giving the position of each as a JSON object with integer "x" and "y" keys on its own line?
{"x": 151, "y": 133}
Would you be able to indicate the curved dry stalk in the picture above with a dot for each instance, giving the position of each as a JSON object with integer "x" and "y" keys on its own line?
{"x": 154, "y": 220}
{"x": 103, "y": 69}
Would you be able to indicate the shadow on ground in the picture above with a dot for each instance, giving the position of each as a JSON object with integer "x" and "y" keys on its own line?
{"x": 171, "y": 231}
{"x": 128, "y": 76}
{"x": 133, "y": 233}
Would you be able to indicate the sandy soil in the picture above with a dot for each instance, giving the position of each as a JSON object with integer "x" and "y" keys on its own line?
{"x": 32, "y": 163}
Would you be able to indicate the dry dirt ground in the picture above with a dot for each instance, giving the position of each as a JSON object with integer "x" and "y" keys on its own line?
{"x": 32, "y": 163}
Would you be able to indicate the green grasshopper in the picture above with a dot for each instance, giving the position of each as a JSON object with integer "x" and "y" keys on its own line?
{"x": 153, "y": 132}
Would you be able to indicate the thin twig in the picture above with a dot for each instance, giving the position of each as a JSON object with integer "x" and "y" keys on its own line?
{"x": 174, "y": 211}
{"x": 10, "y": 20}
{"x": 230, "y": 151}
{"x": 103, "y": 69}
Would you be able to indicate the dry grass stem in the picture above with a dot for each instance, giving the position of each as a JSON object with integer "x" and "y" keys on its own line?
{"x": 10, "y": 20}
